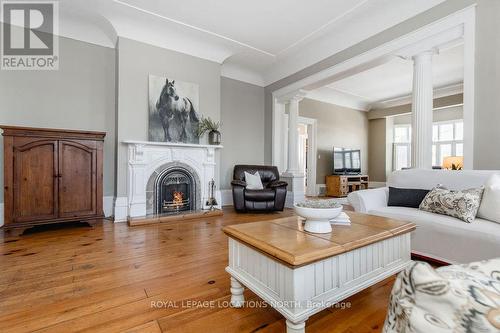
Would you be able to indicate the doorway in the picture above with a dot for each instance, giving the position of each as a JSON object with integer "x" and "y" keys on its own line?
{"x": 307, "y": 153}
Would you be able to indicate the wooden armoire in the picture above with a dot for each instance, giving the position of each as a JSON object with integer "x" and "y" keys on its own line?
{"x": 51, "y": 176}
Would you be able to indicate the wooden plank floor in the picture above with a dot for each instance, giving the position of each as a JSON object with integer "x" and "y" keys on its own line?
{"x": 113, "y": 278}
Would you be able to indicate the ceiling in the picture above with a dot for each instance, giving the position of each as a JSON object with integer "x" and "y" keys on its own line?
{"x": 390, "y": 84}
{"x": 257, "y": 41}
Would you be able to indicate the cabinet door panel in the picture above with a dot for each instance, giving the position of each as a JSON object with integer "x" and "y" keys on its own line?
{"x": 77, "y": 179}
{"x": 35, "y": 183}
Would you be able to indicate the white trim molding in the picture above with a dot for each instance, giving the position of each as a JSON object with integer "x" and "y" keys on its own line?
{"x": 226, "y": 197}
{"x": 444, "y": 91}
{"x": 312, "y": 153}
{"x": 121, "y": 209}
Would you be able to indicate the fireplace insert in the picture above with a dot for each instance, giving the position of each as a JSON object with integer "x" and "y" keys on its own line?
{"x": 175, "y": 191}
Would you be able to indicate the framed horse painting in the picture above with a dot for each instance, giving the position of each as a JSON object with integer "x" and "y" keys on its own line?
{"x": 173, "y": 110}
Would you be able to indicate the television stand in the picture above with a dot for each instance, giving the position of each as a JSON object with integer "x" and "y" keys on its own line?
{"x": 340, "y": 186}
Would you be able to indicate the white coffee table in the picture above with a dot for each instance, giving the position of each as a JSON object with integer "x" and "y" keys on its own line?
{"x": 300, "y": 273}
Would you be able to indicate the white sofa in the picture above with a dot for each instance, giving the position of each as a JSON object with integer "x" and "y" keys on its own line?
{"x": 437, "y": 236}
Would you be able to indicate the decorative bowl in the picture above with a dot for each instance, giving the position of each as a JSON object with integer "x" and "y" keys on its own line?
{"x": 318, "y": 214}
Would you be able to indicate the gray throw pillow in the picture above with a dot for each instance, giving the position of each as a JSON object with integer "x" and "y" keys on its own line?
{"x": 460, "y": 204}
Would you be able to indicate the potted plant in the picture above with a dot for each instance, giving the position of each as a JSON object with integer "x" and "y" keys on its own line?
{"x": 212, "y": 127}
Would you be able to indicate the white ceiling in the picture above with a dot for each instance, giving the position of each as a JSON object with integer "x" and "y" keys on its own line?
{"x": 258, "y": 23}
{"x": 259, "y": 41}
{"x": 391, "y": 83}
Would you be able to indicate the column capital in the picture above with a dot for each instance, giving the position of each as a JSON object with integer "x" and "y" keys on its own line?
{"x": 427, "y": 54}
{"x": 296, "y": 96}
{"x": 417, "y": 54}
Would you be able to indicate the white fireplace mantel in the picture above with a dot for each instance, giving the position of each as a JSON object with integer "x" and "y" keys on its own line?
{"x": 171, "y": 144}
{"x": 145, "y": 158}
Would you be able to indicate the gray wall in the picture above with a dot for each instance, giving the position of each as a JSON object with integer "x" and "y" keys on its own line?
{"x": 337, "y": 126}
{"x": 242, "y": 115}
{"x": 80, "y": 95}
{"x": 380, "y": 148}
{"x": 136, "y": 61}
{"x": 487, "y": 98}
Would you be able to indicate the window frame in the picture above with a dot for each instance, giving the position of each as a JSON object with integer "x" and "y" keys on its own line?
{"x": 401, "y": 144}
{"x": 453, "y": 142}
{"x": 438, "y": 143}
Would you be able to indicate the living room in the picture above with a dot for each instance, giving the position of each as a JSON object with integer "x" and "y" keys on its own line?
{"x": 152, "y": 182}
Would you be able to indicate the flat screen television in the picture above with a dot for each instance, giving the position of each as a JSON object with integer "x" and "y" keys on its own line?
{"x": 346, "y": 161}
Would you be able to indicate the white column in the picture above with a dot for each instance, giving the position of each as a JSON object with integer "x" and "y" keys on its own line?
{"x": 294, "y": 177}
{"x": 293, "y": 136}
{"x": 422, "y": 104}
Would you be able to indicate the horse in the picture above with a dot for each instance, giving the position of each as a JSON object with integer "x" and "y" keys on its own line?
{"x": 177, "y": 115}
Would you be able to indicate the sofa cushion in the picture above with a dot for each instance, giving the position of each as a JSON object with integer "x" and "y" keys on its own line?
{"x": 405, "y": 197}
{"x": 460, "y": 204}
{"x": 259, "y": 195}
{"x": 490, "y": 205}
{"x": 443, "y": 237}
{"x": 458, "y": 298}
{"x": 253, "y": 181}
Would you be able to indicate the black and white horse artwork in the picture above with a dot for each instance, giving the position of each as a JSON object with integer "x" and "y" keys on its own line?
{"x": 177, "y": 116}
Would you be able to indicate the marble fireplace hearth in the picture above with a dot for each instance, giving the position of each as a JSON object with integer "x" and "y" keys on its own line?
{"x": 158, "y": 169}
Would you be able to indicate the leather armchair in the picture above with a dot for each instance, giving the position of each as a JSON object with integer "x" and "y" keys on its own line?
{"x": 271, "y": 198}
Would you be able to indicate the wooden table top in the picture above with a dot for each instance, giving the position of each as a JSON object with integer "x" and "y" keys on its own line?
{"x": 286, "y": 240}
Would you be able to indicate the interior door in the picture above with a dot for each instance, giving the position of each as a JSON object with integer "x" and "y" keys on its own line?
{"x": 35, "y": 180}
{"x": 77, "y": 179}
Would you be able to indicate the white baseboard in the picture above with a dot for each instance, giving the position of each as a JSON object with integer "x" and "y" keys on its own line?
{"x": 226, "y": 197}
{"x": 121, "y": 209}
{"x": 1, "y": 214}
{"x": 289, "y": 199}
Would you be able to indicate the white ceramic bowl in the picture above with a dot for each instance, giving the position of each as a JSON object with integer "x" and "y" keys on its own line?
{"x": 318, "y": 219}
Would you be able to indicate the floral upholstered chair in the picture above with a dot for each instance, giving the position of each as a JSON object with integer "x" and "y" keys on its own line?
{"x": 451, "y": 299}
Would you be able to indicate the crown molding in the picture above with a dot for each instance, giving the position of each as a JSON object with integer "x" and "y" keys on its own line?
{"x": 448, "y": 90}
{"x": 236, "y": 72}
{"x": 340, "y": 98}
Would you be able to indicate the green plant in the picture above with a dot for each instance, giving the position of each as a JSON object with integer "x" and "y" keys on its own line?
{"x": 207, "y": 125}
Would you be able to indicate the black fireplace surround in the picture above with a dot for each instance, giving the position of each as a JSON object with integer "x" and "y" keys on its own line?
{"x": 175, "y": 191}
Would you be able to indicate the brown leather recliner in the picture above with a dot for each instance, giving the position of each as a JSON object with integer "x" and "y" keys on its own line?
{"x": 271, "y": 198}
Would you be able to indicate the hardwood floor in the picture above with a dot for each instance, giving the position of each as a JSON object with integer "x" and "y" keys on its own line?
{"x": 114, "y": 278}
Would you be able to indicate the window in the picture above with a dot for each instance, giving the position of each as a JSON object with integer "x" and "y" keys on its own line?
{"x": 447, "y": 140}
{"x": 402, "y": 147}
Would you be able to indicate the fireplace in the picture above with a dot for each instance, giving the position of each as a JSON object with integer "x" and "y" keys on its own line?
{"x": 156, "y": 170}
{"x": 175, "y": 191}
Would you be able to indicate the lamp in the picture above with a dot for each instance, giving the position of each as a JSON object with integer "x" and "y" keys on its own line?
{"x": 453, "y": 163}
